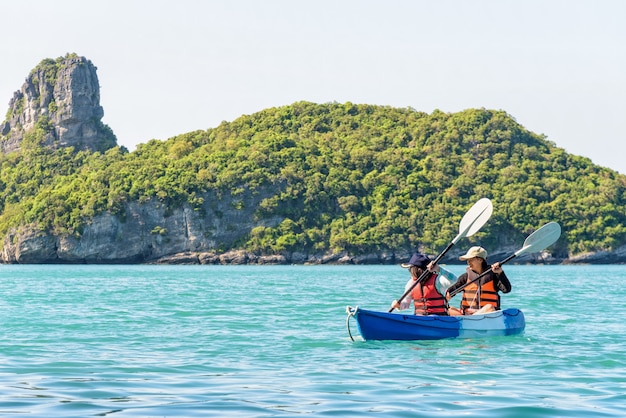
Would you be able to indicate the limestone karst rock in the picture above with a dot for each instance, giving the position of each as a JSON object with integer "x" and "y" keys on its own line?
{"x": 58, "y": 106}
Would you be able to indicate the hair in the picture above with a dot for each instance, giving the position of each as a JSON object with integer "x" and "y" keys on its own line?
{"x": 416, "y": 271}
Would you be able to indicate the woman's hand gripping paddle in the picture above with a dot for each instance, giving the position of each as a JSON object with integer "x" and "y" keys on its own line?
{"x": 473, "y": 220}
{"x": 537, "y": 241}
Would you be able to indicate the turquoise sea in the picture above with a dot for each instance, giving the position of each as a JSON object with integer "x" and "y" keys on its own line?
{"x": 272, "y": 341}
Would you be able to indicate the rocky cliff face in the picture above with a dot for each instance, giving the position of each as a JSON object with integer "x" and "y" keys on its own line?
{"x": 58, "y": 106}
{"x": 150, "y": 233}
{"x": 145, "y": 232}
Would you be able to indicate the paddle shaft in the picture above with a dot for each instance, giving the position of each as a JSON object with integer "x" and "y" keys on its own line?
{"x": 481, "y": 275}
{"x": 471, "y": 222}
{"x": 424, "y": 274}
{"x": 538, "y": 240}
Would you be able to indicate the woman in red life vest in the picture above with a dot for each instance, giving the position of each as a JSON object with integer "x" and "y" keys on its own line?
{"x": 483, "y": 296}
{"x": 428, "y": 297}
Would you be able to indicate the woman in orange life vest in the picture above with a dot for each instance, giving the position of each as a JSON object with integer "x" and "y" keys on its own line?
{"x": 483, "y": 298}
{"x": 428, "y": 296}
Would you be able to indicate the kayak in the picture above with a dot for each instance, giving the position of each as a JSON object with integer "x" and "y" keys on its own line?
{"x": 375, "y": 325}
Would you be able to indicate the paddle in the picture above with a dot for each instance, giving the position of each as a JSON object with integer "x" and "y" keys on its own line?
{"x": 472, "y": 221}
{"x": 537, "y": 241}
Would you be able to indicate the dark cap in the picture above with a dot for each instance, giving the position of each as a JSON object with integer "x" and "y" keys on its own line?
{"x": 419, "y": 260}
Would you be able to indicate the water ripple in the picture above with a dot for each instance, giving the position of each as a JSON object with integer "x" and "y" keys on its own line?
{"x": 139, "y": 341}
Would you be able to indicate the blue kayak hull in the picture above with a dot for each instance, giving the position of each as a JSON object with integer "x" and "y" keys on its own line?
{"x": 375, "y": 325}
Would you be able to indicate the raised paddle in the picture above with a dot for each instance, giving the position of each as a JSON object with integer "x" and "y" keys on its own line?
{"x": 472, "y": 221}
{"x": 537, "y": 241}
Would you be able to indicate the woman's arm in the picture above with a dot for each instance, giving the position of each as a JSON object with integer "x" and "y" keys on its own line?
{"x": 445, "y": 279}
{"x": 459, "y": 282}
{"x": 502, "y": 282}
{"x": 406, "y": 302}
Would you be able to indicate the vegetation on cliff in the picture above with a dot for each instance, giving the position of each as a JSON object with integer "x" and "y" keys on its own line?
{"x": 345, "y": 177}
{"x": 57, "y": 106}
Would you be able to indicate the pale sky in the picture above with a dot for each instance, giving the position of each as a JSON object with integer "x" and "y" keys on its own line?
{"x": 170, "y": 67}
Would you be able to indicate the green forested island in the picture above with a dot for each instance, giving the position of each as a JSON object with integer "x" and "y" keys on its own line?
{"x": 334, "y": 178}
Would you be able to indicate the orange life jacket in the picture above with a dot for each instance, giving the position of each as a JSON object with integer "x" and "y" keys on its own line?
{"x": 427, "y": 299}
{"x": 476, "y": 297}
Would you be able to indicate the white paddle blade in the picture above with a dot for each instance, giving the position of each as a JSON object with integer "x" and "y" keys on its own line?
{"x": 474, "y": 219}
{"x": 541, "y": 238}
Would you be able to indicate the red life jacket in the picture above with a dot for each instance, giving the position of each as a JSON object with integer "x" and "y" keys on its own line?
{"x": 476, "y": 297}
{"x": 427, "y": 299}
